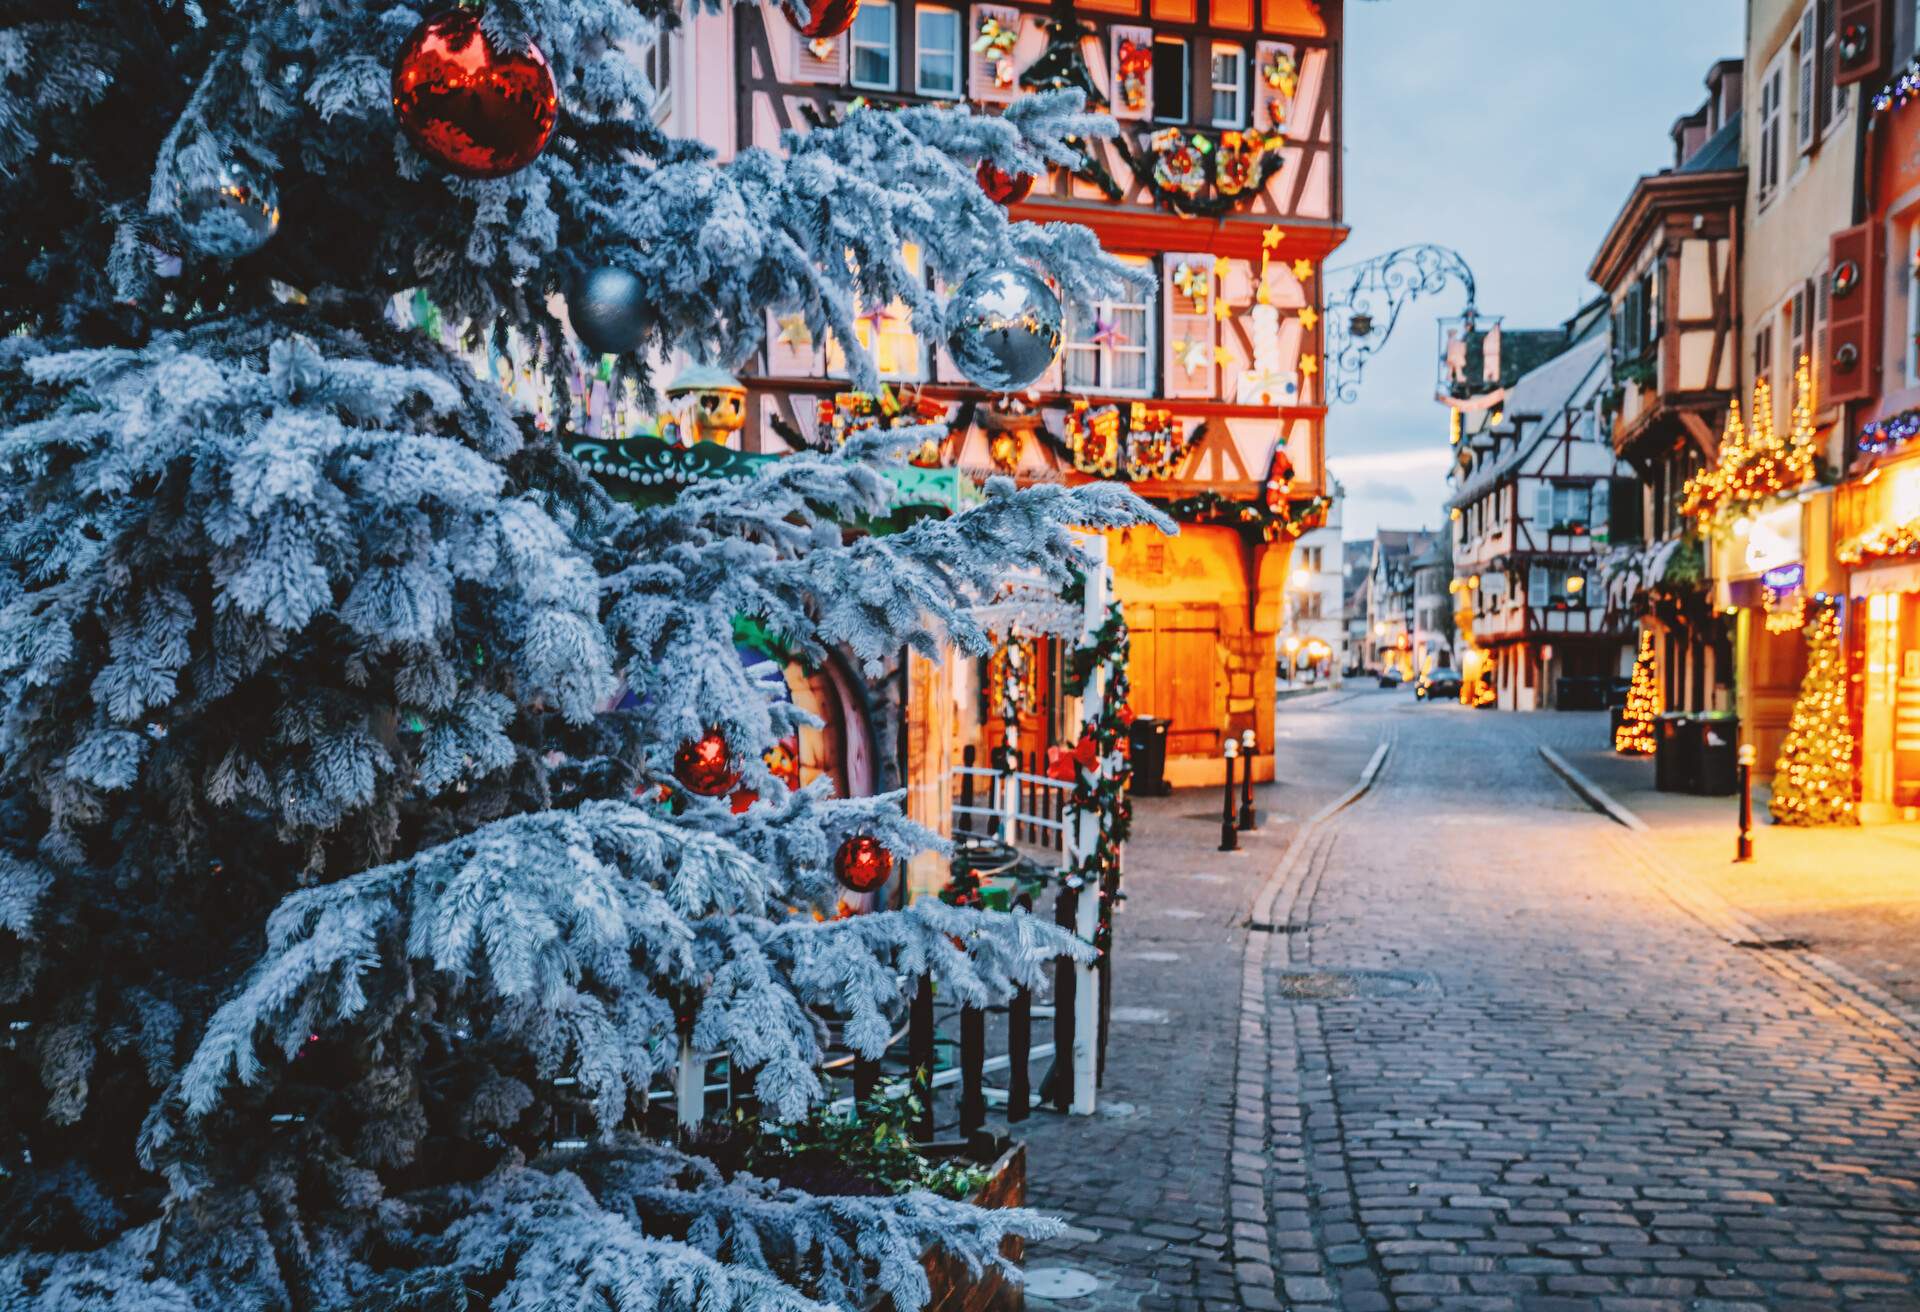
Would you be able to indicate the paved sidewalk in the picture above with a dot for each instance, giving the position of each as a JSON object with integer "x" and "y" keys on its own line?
{"x": 1145, "y": 1184}
{"x": 1852, "y": 894}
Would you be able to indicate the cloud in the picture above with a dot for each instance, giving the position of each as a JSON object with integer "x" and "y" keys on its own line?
{"x": 1374, "y": 490}
{"x": 1357, "y": 464}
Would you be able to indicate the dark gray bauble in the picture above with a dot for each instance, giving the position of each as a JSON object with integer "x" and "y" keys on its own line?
{"x": 227, "y": 210}
{"x": 607, "y": 313}
{"x": 1003, "y": 328}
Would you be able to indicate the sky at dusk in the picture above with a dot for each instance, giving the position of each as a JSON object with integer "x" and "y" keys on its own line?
{"x": 1511, "y": 131}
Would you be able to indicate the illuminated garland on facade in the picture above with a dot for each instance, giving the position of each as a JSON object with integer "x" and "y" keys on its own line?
{"x": 1756, "y": 462}
{"x": 1881, "y": 544}
{"x": 1813, "y": 783}
{"x": 1634, "y": 737}
{"x": 1901, "y": 91}
{"x": 1889, "y": 434}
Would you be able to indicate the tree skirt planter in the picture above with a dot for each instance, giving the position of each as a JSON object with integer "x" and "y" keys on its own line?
{"x": 954, "y": 1288}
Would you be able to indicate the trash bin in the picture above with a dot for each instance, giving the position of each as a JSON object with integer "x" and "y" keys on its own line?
{"x": 1147, "y": 741}
{"x": 1716, "y": 748}
{"x": 1615, "y": 716}
{"x": 1673, "y": 764}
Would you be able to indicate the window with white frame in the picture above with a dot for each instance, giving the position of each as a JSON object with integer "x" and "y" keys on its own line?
{"x": 937, "y": 51}
{"x": 871, "y": 43}
{"x": 1229, "y": 80}
{"x": 1110, "y": 347}
{"x": 1563, "y": 507}
{"x": 1771, "y": 138}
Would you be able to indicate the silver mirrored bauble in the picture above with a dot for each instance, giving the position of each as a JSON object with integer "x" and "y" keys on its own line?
{"x": 1003, "y": 328}
{"x": 606, "y": 311}
{"x": 228, "y": 210}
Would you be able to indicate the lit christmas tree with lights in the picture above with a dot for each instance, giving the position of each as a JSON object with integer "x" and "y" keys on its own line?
{"x": 1813, "y": 783}
{"x": 1634, "y": 737}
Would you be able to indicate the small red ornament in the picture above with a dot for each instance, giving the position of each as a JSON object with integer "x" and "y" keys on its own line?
{"x": 469, "y": 107}
{"x": 1003, "y": 188}
{"x": 830, "y": 18}
{"x": 862, "y": 864}
{"x": 704, "y": 765}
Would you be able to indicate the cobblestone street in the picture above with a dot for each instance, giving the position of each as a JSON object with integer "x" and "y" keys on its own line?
{"x": 1486, "y": 1057}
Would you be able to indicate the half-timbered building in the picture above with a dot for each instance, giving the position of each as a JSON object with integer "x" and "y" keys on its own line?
{"x": 1670, "y": 269}
{"x": 1535, "y": 482}
{"x": 1204, "y": 395}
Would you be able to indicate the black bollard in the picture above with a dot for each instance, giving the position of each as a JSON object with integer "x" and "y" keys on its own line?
{"x": 1247, "y": 746}
{"x": 1743, "y": 850}
{"x": 1229, "y": 832}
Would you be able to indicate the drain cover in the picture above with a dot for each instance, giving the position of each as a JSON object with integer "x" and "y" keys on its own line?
{"x": 1773, "y": 944}
{"x": 1332, "y": 985}
{"x": 1060, "y": 1282}
{"x": 1268, "y": 927}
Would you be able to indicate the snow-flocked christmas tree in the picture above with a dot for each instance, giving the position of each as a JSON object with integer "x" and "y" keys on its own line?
{"x": 323, "y": 863}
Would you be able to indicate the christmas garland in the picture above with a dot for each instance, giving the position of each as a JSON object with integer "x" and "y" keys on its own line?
{"x": 1289, "y": 521}
{"x": 1104, "y": 761}
{"x": 1889, "y": 434}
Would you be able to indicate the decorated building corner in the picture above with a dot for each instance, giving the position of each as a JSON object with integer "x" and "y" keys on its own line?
{"x": 1204, "y": 393}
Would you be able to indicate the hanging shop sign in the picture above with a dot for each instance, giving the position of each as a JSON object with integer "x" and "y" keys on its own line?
{"x": 1773, "y": 538}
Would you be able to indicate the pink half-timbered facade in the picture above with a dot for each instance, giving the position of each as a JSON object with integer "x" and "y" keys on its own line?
{"x": 1206, "y": 394}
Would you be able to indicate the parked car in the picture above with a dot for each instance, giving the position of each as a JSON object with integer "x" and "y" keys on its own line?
{"x": 1389, "y": 678}
{"x": 1438, "y": 683}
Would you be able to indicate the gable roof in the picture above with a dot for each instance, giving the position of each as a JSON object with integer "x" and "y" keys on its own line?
{"x": 1545, "y": 396}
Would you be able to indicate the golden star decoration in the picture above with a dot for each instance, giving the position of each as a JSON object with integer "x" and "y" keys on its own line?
{"x": 1309, "y": 365}
{"x": 793, "y": 331}
{"x": 1220, "y": 355}
{"x": 1303, "y": 269}
{"x": 1220, "y": 265}
{"x": 1220, "y": 311}
{"x": 1271, "y": 238}
{"x": 1309, "y": 317}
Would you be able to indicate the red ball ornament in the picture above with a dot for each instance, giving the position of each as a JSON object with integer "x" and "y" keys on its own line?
{"x": 704, "y": 766}
{"x": 862, "y": 864}
{"x": 1003, "y": 188}
{"x": 830, "y": 18}
{"x": 472, "y": 108}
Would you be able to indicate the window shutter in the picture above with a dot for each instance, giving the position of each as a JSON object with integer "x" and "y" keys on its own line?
{"x": 1189, "y": 337}
{"x": 992, "y": 74}
{"x": 1543, "y": 505}
{"x": 1850, "y": 364}
{"x": 820, "y": 63}
{"x": 1276, "y": 81}
{"x": 1805, "y": 80}
{"x": 1863, "y": 40}
{"x": 1131, "y": 92}
{"x": 1623, "y": 512}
